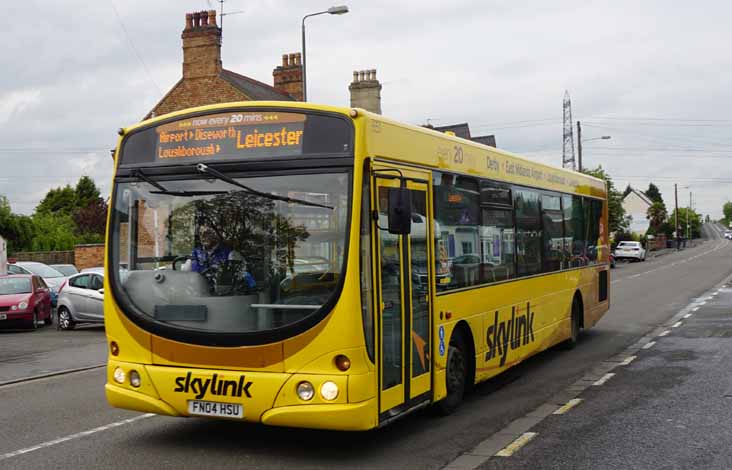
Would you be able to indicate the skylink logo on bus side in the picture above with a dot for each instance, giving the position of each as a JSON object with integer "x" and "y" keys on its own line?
{"x": 212, "y": 385}
{"x": 513, "y": 333}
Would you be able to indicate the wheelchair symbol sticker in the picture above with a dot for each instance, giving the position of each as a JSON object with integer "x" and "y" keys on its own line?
{"x": 441, "y": 334}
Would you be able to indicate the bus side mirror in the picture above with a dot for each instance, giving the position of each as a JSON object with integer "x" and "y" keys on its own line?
{"x": 400, "y": 211}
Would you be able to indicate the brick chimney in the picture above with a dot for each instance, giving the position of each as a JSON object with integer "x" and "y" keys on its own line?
{"x": 201, "y": 45}
{"x": 366, "y": 91}
{"x": 288, "y": 76}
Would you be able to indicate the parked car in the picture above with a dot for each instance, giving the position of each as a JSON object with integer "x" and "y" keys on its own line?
{"x": 728, "y": 234}
{"x": 630, "y": 250}
{"x": 53, "y": 278}
{"x": 81, "y": 300}
{"x": 65, "y": 269}
{"x": 24, "y": 299}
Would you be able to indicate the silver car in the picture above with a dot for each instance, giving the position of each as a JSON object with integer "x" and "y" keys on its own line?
{"x": 81, "y": 300}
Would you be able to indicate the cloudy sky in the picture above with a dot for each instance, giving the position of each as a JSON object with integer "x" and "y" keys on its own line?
{"x": 654, "y": 75}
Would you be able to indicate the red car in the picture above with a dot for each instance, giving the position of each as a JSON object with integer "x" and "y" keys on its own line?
{"x": 24, "y": 299}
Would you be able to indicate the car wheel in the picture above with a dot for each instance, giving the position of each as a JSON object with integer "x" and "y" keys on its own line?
{"x": 34, "y": 322}
{"x": 571, "y": 342}
{"x": 456, "y": 375}
{"x": 65, "y": 322}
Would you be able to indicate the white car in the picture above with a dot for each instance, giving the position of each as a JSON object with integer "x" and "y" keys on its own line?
{"x": 630, "y": 250}
{"x": 728, "y": 234}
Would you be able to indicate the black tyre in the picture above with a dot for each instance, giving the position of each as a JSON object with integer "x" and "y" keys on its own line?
{"x": 65, "y": 322}
{"x": 48, "y": 320}
{"x": 34, "y": 323}
{"x": 571, "y": 342}
{"x": 456, "y": 375}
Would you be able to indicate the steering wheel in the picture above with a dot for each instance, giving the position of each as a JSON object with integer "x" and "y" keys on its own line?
{"x": 180, "y": 258}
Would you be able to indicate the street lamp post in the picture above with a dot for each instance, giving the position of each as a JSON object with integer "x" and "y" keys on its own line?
{"x": 579, "y": 144}
{"x": 339, "y": 10}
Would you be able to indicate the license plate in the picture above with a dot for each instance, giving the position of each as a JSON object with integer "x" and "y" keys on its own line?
{"x": 213, "y": 408}
{"x": 3, "y": 316}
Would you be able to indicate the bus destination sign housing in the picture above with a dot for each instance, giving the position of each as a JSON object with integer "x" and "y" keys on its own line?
{"x": 239, "y": 134}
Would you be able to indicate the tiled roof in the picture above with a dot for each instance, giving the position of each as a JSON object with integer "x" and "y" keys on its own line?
{"x": 489, "y": 140}
{"x": 460, "y": 130}
{"x": 254, "y": 89}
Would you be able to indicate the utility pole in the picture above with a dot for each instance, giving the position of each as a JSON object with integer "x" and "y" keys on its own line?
{"x": 567, "y": 135}
{"x": 579, "y": 147}
{"x": 676, "y": 215}
{"x": 688, "y": 226}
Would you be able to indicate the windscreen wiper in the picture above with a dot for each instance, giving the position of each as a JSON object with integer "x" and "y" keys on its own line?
{"x": 162, "y": 190}
{"x": 203, "y": 168}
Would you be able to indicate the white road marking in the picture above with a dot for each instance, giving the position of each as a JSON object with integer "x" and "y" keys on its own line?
{"x": 676, "y": 325}
{"x": 71, "y": 437}
{"x": 665, "y": 333}
{"x": 687, "y": 315}
{"x": 568, "y": 406}
{"x": 513, "y": 447}
{"x": 628, "y": 360}
{"x": 604, "y": 379}
{"x": 695, "y": 309}
{"x": 648, "y": 345}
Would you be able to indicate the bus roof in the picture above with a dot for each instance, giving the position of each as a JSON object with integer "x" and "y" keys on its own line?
{"x": 432, "y": 148}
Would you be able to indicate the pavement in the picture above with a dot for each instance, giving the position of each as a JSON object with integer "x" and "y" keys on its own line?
{"x": 669, "y": 407}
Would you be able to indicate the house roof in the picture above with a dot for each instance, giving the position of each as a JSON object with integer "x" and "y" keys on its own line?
{"x": 489, "y": 140}
{"x": 254, "y": 89}
{"x": 460, "y": 130}
{"x": 641, "y": 195}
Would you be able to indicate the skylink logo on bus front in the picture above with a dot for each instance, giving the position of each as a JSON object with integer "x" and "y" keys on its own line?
{"x": 213, "y": 385}
{"x": 513, "y": 333}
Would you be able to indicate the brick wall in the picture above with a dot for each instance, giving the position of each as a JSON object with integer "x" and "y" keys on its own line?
{"x": 89, "y": 256}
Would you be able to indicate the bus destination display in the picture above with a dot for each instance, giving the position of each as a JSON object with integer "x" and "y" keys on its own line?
{"x": 236, "y": 134}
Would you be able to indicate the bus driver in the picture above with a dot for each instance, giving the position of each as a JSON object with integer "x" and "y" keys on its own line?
{"x": 214, "y": 258}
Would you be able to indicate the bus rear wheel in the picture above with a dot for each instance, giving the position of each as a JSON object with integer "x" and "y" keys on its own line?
{"x": 571, "y": 342}
{"x": 456, "y": 375}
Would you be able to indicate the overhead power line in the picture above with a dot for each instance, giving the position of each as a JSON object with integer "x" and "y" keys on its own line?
{"x": 132, "y": 46}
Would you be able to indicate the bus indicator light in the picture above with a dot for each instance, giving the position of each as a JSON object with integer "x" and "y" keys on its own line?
{"x": 342, "y": 362}
{"x": 114, "y": 348}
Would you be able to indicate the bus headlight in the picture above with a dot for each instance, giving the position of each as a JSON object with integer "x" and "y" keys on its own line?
{"x": 305, "y": 391}
{"x": 135, "y": 378}
{"x": 329, "y": 391}
{"x": 119, "y": 375}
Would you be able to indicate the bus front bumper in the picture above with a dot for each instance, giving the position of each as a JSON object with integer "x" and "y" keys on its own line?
{"x": 272, "y": 401}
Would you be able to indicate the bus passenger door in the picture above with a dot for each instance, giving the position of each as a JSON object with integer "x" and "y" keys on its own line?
{"x": 404, "y": 272}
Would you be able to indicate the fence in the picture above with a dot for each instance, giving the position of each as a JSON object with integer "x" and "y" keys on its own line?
{"x": 47, "y": 257}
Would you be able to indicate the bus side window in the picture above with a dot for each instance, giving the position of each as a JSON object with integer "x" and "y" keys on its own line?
{"x": 553, "y": 240}
{"x": 528, "y": 231}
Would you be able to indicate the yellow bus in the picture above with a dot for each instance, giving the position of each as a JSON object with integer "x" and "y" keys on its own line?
{"x": 312, "y": 266}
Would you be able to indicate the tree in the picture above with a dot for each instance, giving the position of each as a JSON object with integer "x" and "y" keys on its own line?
{"x": 86, "y": 192}
{"x": 91, "y": 221}
{"x": 18, "y": 230}
{"x": 58, "y": 200}
{"x": 654, "y": 194}
{"x": 727, "y": 211}
{"x": 616, "y": 214}
{"x": 694, "y": 221}
{"x": 657, "y": 216}
{"x": 627, "y": 191}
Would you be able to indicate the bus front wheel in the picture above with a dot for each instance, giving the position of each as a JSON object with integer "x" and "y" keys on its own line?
{"x": 456, "y": 375}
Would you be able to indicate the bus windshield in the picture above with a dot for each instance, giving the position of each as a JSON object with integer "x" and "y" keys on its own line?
{"x": 230, "y": 254}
